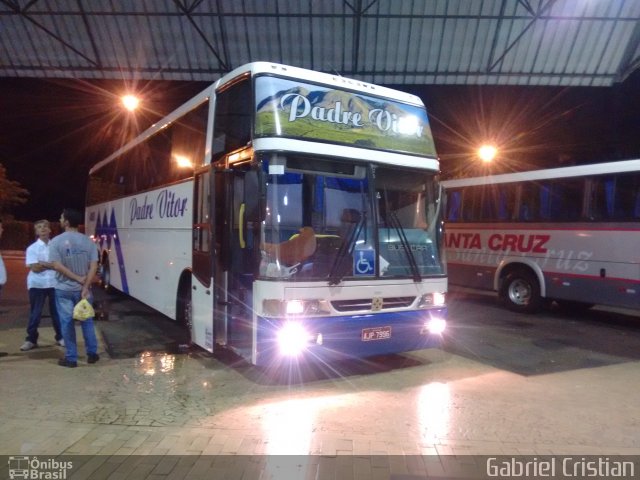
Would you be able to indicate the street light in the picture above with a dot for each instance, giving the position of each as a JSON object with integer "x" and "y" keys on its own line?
{"x": 130, "y": 102}
{"x": 487, "y": 153}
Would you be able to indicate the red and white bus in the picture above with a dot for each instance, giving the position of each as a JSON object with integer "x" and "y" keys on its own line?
{"x": 568, "y": 234}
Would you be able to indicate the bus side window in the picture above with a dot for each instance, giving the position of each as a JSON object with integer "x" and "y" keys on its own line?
{"x": 471, "y": 204}
{"x": 571, "y": 198}
{"x": 627, "y": 202}
{"x": 503, "y": 205}
{"x": 615, "y": 197}
{"x": 600, "y": 205}
{"x": 528, "y": 210}
{"x": 561, "y": 200}
{"x": 232, "y": 123}
{"x": 188, "y": 138}
{"x": 545, "y": 201}
{"x": 454, "y": 199}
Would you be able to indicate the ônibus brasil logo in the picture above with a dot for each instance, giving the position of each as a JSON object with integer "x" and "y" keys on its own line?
{"x": 34, "y": 468}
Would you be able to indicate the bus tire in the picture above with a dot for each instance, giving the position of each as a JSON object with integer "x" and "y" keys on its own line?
{"x": 520, "y": 291}
{"x": 183, "y": 304}
{"x": 105, "y": 276}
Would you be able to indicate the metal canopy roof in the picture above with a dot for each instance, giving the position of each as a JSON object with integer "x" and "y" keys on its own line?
{"x": 516, "y": 42}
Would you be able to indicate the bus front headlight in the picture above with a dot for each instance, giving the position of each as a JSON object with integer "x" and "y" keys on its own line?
{"x": 435, "y": 325}
{"x": 435, "y": 299}
{"x": 292, "y": 339}
{"x": 294, "y": 308}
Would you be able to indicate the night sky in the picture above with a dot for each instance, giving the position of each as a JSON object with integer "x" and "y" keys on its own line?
{"x": 53, "y": 131}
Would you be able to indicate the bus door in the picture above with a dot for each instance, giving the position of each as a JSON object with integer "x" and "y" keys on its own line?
{"x": 202, "y": 292}
{"x": 238, "y": 197}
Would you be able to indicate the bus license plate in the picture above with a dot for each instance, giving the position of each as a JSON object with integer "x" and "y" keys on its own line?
{"x": 376, "y": 333}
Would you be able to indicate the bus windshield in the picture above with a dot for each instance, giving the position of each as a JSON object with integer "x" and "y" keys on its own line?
{"x": 333, "y": 220}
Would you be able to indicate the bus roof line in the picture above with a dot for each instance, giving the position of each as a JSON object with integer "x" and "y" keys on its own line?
{"x": 549, "y": 173}
{"x": 255, "y": 68}
{"x": 164, "y": 122}
{"x": 298, "y": 73}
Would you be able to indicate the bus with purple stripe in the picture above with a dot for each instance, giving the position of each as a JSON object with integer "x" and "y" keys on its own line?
{"x": 283, "y": 214}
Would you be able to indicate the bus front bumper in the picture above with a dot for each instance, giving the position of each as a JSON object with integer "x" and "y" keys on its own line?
{"x": 351, "y": 336}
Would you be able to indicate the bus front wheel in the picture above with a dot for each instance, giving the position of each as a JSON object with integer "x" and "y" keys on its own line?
{"x": 105, "y": 276}
{"x": 184, "y": 305}
{"x": 520, "y": 291}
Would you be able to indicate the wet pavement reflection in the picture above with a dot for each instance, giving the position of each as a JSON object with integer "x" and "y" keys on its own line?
{"x": 496, "y": 387}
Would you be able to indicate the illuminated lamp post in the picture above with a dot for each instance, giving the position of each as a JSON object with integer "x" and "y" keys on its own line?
{"x": 487, "y": 153}
{"x": 130, "y": 102}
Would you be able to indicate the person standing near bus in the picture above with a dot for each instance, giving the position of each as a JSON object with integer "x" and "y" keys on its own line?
{"x": 75, "y": 259}
{"x": 41, "y": 281}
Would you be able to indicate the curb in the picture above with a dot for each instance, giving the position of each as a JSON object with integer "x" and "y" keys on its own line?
{"x": 12, "y": 253}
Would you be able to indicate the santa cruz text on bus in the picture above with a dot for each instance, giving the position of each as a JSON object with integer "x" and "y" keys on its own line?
{"x": 516, "y": 243}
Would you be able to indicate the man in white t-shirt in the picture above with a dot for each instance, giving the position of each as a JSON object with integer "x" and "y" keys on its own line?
{"x": 41, "y": 282}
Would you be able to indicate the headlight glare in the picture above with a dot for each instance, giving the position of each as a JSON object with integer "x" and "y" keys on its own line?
{"x": 436, "y": 325}
{"x": 292, "y": 339}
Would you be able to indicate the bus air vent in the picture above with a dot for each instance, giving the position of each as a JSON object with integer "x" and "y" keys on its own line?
{"x": 361, "y": 304}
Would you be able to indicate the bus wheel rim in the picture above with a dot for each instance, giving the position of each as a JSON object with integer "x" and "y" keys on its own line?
{"x": 520, "y": 292}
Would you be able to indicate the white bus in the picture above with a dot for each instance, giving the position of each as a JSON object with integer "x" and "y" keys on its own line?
{"x": 568, "y": 234}
{"x": 281, "y": 213}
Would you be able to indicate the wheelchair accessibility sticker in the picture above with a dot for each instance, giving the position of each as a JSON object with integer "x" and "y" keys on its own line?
{"x": 364, "y": 262}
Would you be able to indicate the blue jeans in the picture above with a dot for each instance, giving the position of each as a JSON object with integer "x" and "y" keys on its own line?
{"x": 37, "y": 296}
{"x": 65, "y": 301}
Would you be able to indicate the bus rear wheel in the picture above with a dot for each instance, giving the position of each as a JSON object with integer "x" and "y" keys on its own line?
{"x": 520, "y": 291}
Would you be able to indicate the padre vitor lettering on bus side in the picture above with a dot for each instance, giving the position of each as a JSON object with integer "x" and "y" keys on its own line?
{"x": 167, "y": 205}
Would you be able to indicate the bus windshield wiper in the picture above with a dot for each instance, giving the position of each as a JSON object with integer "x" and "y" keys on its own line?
{"x": 345, "y": 248}
{"x": 395, "y": 223}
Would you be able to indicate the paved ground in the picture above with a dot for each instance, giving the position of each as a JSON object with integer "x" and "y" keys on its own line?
{"x": 503, "y": 384}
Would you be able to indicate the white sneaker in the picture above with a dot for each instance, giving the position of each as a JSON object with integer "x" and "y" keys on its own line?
{"x": 60, "y": 342}
{"x": 28, "y": 346}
